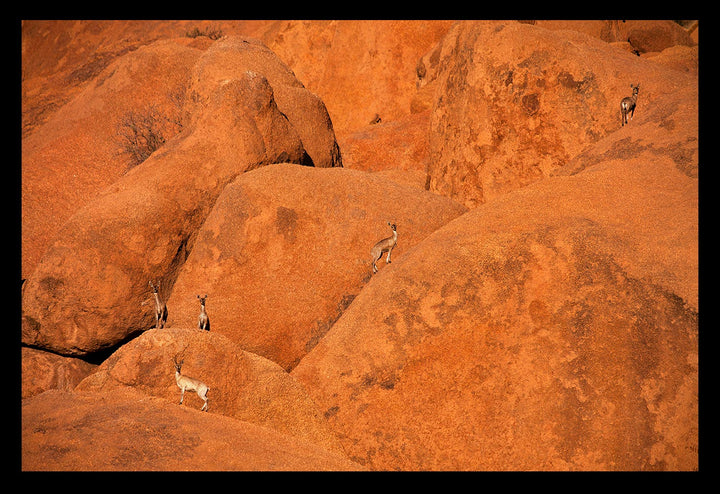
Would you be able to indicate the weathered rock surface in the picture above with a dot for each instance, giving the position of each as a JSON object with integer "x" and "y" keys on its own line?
{"x": 90, "y": 290}
{"x": 656, "y": 35}
{"x": 642, "y": 35}
{"x": 523, "y": 346}
{"x": 666, "y": 127}
{"x": 42, "y": 371}
{"x": 242, "y": 385}
{"x": 358, "y": 68}
{"x": 232, "y": 56}
{"x": 129, "y": 431}
{"x": 515, "y": 102}
{"x": 399, "y": 149}
{"x": 553, "y": 327}
{"x": 77, "y": 152}
{"x": 679, "y": 57}
{"x": 287, "y": 248}
{"x": 61, "y": 57}
{"x": 560, "y": 319}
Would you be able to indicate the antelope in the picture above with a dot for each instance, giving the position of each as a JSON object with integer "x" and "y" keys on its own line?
{"x": 190, "y": 384}
{"x": 384, "y": 245}
{"x": 161, "y": 312}
{"x": 203, "y": 319}
{"x": 627, "y": 105}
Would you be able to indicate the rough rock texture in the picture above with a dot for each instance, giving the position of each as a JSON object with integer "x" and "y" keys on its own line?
{"x": 77, "y": 152}
{"x": 242, "y": 385}
{"x": 560, "y": 318}
{"x": 678, "y": 57}
{"x": 667, "y": 126}
{"x": 519, "y": 342}
{"x": 61, "y": 57}
{"x": 286, "y": 249}
{"x": 657, "y": 35}
{"x": 234, "y": 55}
{"x": 43, "y": 370}
{"x": 71, "y": 431}
{"x": 642, "y": 35}
{"x": 358, "y": 68}
{"x": 399, "y": 148}
{"x": 553, "y": 327}
{"x": 515, "y": 102}
{"x": 90, "y": 290}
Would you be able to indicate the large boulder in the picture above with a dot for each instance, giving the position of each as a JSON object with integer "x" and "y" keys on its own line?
{"x": 554, "y": 328}
{"x": 679, "y": 57}
{"x": 359, "y": 68}
{"x": 287, "y": 248}
{"x": 642, "y": 35}
{"x": 515, "y": 102}
{"x": 235, "y": 55}
{"x": 90, "y": 290}
{"x": 77, "y": 152}
{"x": 42, "y": 371}
{"x": 666, "y": 127}
{"x": 130, "y": 431}
{"x": 398, "y": 149}
{"x": 61, "y": 57}
{"x": 656, "y": 35}
{"x": 242, "y": 385}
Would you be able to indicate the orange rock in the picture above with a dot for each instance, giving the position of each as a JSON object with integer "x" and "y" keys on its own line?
{"x": 607, "y": 30}
{"x": 43, "y": 370}
{"x": 664, "y": 125}
{"x": 521, "y": 333}
{"x": 232, "y": 56}
{"x": 679, "y": 57}
{"x": 242, "y": 385}
{"x": 358, "y": 68}
{"x": 401, "y": 144}
{"x": 77, "y": 152}
{"x": 506, "y": 116}
{"x": 560, "y": 318}
{"x": 310, "y": 118}
{"x": 643, "y": 35}
{"x": 694, "y": 32}
{"x": 90, "y": 289}
{"x": 61, "y": 57}
{"x": 129, "y": 431}
{"x": 656, "y": 35}
{"x": 287, "y": 248}
{"x": 397, "y": 150}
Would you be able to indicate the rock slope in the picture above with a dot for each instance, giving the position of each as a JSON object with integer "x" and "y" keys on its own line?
{"x": 143, "y": 226}
{"x": 516, "y": 102}
{"x": 286, "y": 248}
{"x": 242, "y": 385}
{"x": 528, "y": 341}
{"x": 79, "y": 432}
{"x": 542, "y": 308}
